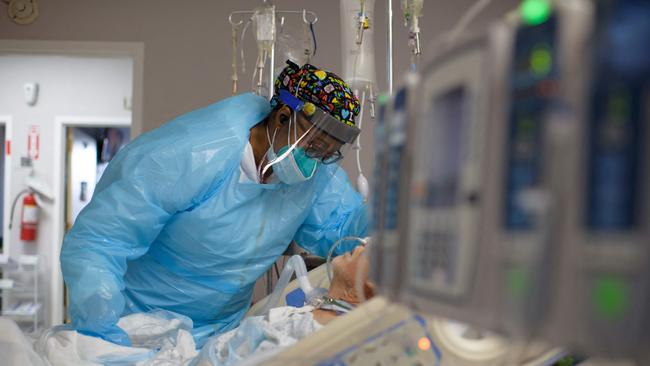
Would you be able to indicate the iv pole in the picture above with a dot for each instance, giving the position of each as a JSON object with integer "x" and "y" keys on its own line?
{"x": 304, "y": 13}
{"x": 389, "y": 51}
{"x": 271, "y": 77}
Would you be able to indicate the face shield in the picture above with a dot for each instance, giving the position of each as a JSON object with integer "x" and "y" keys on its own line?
{"x": 313, "y": 137}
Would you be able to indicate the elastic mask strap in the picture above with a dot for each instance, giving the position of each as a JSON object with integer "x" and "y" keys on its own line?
{"x": 289, "y": 130}
{"x": 295, "y": 125}
{"x": 284, "y": 154}
{"x": 271, "y": 141}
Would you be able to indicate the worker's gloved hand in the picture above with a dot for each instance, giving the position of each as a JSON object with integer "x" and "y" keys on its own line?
{"x": 112, "y": 334}
{"x": 98, "y": 306}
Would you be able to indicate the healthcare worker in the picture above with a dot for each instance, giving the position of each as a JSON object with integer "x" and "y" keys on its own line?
{"x": 188, "y": 216}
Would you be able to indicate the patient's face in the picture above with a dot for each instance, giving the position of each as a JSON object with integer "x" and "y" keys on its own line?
{"x": 346, "y": 266}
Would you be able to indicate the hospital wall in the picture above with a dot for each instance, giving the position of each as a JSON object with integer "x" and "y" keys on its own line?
{"x": 69, "y": 86}
{"x": 187, "y": 44}
{"x": 187, "y": 54}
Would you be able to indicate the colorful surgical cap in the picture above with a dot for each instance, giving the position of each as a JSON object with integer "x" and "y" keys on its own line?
{"x": 318, "y": 88}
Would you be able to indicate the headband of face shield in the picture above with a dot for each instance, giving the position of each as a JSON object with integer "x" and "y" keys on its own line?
{"x": 313, "y": 136}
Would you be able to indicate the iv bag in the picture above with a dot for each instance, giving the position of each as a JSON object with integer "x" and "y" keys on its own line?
{"x": 358, "y": 59}
{"x": 290, "y": 47}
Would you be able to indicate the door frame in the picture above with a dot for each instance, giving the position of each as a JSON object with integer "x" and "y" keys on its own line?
{"x": 6, "y": 210}
{"x": 133, "y": 50}
{"x": 61, "y": 124}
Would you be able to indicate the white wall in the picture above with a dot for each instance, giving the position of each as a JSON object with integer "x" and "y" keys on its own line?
{"x": 69, "y": 86}
{"x": 187, "y": 44}
{"x": 3, "y": 132}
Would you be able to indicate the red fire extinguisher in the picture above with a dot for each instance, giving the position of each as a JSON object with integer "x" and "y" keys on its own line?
{"x": 29, "y": 218}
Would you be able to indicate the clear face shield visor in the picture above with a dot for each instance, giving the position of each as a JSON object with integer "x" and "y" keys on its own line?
{"x": 315, "y": 133}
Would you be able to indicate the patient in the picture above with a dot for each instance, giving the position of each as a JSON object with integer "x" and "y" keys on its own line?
{"x": 343, "y": 288}
{"x": 260, "y": 337}
{"x": 162, "y": 337}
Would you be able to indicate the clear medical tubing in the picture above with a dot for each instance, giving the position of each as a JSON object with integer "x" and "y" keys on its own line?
{"x": 294, "y": 264}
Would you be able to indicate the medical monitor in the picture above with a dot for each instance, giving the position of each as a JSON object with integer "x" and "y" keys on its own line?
{"x": 604, "y": 303}
{"x": 446, "y": 272}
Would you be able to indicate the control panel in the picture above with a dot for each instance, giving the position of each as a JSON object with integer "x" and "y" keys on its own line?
{"x": 404, "y": 343}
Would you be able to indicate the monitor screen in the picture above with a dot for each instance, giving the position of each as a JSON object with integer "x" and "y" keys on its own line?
{"x": 448, "y": 114}
{"x": 617, "y": 115}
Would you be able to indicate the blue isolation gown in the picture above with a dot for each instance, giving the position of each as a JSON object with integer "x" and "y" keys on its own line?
{"x": 170, "y": 226}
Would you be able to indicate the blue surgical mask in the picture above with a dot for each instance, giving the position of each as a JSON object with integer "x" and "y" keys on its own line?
{"x": 295, "y": 167}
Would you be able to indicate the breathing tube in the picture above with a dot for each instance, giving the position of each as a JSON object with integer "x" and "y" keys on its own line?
{"x": 294, "y": 264}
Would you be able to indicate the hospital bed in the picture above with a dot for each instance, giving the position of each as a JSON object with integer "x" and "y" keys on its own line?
{"x": 377, "y": 332}
{"x": 15, "y": 348}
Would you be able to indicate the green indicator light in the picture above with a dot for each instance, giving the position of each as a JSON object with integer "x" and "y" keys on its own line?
{"x": 619, "y": 107}
{"x": 525, "y": 127}
{"x": 541, "y": 61}
{"x": 566, "y": 361}
{"x": 382, "y": 99}
{"x": 517, "y": 282}
{"x": 610, "y": 297}
{"x": 535, "y": 12}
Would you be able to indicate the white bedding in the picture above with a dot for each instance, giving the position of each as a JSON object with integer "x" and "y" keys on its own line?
{"x": 15, "y": 348}
{"x": 259, "y": 337}
{"x": 160, "y": 338}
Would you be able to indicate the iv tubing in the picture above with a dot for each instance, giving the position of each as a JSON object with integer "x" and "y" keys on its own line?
{"x": 297, "y": 264}
{"x": 358, "y": 143}
{"x": 241, "y": 45}
{"x": 271, "y": 71}
{"x": 467, "y": 18}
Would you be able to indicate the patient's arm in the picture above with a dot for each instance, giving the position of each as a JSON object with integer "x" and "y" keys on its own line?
{"x": 324, "y": 316}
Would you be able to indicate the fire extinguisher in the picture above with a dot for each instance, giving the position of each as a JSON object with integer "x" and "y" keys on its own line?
{"x": 28, "y": 217}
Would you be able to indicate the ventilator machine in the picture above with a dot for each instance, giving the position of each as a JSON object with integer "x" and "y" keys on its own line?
{"x": 509, "y": 202}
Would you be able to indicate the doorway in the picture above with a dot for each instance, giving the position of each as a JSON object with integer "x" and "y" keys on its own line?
{"x": 94, "y": 141}
{"x": 89, "y": 150}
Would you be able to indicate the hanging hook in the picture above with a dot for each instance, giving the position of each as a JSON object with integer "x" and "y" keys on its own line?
{"x": 241, "y": 21}
{"x": 312, "y": 14}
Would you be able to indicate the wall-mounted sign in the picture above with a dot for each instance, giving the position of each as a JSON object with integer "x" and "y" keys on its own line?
{"x": 34, "y": 142}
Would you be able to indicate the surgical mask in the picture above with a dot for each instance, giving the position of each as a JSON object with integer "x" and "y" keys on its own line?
{"x": 290, "y": 164}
